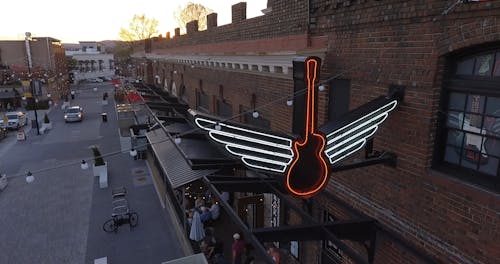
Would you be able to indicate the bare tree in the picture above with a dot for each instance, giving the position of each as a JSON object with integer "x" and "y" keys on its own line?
{"x": 140, "y": 27}
{"x": 191, "y": 12}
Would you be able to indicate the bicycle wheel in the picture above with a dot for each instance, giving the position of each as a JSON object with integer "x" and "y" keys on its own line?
{"x": 133, "y": 219}
{"x": 109, "y": 226}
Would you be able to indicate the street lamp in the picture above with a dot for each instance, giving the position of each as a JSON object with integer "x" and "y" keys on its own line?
{"x": 30, "y": 65}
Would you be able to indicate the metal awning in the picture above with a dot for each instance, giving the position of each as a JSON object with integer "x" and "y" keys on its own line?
{"x": 174, "y": 165}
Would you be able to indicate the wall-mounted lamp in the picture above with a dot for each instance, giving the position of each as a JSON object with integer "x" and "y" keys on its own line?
{"x": 255, "y": 114}
{"x": 177, "y": 140}
{"x": 321, "y": 88}
{"x": 289, "y": 102}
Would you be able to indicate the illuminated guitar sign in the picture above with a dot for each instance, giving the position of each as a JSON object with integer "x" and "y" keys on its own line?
{"x": 305, "y": 161}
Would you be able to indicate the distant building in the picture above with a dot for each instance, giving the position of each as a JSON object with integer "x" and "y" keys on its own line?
{"x": 39, "y": 59}
{"x": 91, "y": 61}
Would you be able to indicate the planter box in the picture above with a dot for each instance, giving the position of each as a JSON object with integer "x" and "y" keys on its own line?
{"x": 45, "y": 127}
{"x": 102, "y": 172}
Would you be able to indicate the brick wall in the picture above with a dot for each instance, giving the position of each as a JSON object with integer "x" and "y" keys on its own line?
{"x": 374, "y": 44}
{"x": 379, "y": 43}
{"x": 284, "y": 20}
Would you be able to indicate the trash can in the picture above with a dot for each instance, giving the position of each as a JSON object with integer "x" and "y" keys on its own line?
{"x": 104, "y": 117}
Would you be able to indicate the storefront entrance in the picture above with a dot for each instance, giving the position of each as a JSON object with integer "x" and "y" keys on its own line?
{"x": 251, "y": 210}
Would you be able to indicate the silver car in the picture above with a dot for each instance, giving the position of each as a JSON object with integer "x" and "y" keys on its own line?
{"x": 73, "y": 114}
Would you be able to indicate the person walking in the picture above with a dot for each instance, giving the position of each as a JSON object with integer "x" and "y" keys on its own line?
{"x": 238, "y": 249}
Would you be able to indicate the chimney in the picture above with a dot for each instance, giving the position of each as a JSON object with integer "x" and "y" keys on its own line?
{"x": 192, "y": 27}
{"x": 212, "y": 20}
{"x": 147, "y": 45}
{"x": 177, "y": 32}
{"x": 167, "y": 35}
{"x": 239, "y": 12}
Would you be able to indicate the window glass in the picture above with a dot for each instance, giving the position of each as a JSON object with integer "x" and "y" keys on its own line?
{"x": 489, "y": 165}
{"x": 493, "y": 106}
{"x": 452, "y": 155}
{"x": 455, "y": 119}
{"x": 492, "y": 146}
{"x": 473, "y": 123}
{"x": 465, "y": 67}
{"x": 496, "y": 71}
{"x": 475, "y": 104}
{"x": 484, "y": 64}
{"x": 457, "y": 101}
{"x": 455, "y": 138}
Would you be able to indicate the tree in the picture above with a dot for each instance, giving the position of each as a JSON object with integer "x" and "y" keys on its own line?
{"x": 71, "y": 63}
{"x": 140, "y": 27}
{"x": 191, "y": 12}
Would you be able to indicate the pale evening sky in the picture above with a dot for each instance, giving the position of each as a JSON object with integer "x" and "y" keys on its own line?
{"x": 96, "y": 20}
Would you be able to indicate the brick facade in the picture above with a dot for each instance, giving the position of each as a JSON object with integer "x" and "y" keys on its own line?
{"x": 374, "y": 44}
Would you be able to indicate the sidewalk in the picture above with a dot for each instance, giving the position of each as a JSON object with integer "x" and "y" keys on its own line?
{"x": 154, "y": 240}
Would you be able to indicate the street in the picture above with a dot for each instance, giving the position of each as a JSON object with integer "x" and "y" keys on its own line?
{"x": 58, "y": 218}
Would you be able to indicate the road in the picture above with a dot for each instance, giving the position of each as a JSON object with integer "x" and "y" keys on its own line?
{"x": 58, "y": 218}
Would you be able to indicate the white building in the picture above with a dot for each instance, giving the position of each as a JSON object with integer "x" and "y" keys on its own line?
{"x": 91, "y": 63}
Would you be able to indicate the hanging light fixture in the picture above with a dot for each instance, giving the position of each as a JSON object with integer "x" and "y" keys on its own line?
{"x": 218, "y": 127}
{"x": 84, "y": 165}
{"x": 133, "y": 153}
{"x": 29, "y": 177}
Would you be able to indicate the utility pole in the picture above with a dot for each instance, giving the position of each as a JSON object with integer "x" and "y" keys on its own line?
{"x": 30, "y": 65}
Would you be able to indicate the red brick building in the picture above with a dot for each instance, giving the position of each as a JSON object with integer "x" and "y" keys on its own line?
{"x": 441, "y": 203}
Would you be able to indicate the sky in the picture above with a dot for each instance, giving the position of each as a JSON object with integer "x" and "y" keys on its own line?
{"x": 97, "y": 20}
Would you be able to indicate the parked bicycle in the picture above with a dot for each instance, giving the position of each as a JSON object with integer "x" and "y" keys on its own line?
{"x": 121, "y": 214}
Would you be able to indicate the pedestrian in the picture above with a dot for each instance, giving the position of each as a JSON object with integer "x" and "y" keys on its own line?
{"x": 274, "y": 254}
{"x": 238, "y": 249}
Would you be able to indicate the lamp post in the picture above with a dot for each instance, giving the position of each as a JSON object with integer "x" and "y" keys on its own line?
{"x": 30, "y": 65}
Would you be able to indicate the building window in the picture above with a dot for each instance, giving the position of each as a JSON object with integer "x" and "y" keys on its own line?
{"x": 338, "y": 98}
{"x": 470, "y": 126}
{"x": 203, "y": 103}
{"x": 332, "y": 253}
{"x": 224, "y": 109}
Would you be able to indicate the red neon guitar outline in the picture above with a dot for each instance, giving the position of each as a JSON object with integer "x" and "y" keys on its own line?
{"x": 312, "y": 143}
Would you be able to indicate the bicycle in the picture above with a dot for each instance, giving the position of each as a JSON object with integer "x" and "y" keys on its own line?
{"x": 121, "y": 214}
{"x": 111, "y": 225}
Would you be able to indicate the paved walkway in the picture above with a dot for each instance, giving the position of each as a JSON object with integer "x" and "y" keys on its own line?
{"x": 58, "y": 218}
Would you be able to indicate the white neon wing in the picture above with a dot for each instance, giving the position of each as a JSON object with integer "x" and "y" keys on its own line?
{"x": 353, "y": 136}
{"x": 256, "y": 149}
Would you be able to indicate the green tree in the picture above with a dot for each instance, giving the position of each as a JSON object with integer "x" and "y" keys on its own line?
{"x": 191, "y": 12}
{"x": 71, "y": 63}
{"x": 140, "y": 27}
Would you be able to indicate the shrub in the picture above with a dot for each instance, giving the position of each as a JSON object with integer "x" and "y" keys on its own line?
{"x": 98, "y": 160}
{"x": 46, "y": 119}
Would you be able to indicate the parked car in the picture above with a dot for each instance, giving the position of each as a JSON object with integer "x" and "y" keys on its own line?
{"x": 73, "y": 114}
{"x": 15, "y": 120}
{"x": 95, "y": 80}
{"x": 3, "y": 133}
